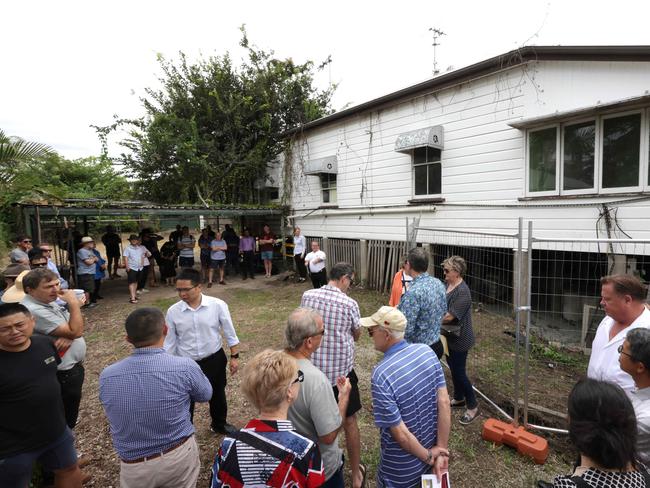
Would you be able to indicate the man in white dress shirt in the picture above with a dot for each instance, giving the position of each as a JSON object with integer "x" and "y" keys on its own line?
{"x": 622, "y": 299}
{"x": 195, "y": 325}
{"x": 315, "y": 262}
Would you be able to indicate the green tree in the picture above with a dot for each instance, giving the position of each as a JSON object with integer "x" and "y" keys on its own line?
{"x": 212, "y": 129}
{"x": 14, "y": 152}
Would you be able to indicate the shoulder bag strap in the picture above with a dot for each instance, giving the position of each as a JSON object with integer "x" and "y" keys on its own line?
{"x": 273, "y": 451}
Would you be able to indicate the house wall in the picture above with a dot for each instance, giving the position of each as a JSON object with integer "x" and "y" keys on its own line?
{"x": 483, "y": 161}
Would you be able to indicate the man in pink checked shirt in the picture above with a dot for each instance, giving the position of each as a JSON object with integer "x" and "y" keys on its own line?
{"x": 335, "y": 357}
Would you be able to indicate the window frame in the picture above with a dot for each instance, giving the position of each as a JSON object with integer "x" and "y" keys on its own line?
{"x": 623, "y": 189}
{"x": 597, "y": 189}
{"x": 597, "y": 156}
{"x": 329, "y": 188}
{"x": 557, "y": 157}
{"x": 426, "y": 163}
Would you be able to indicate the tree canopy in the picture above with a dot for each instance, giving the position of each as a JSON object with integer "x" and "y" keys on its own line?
{"x": 212, "y": 129}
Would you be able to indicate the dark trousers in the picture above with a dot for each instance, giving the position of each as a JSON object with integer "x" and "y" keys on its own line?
{"x": 319, "y": 279}
{"x": 438, "y": 348}
{"x": 71, "y": 382}
{"x": 300, "y": 265}
{"x": 95, "y": 293}
{"x": 142, "y": 282}
{"x": 232, "y": 260}
{"x": 463, "y": 390}
{"x": 248, "y": 267}
{"x": 214, "y": 368}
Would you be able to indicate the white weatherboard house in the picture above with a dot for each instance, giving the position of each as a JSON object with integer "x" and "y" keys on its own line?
{"x": 558, "y": 135}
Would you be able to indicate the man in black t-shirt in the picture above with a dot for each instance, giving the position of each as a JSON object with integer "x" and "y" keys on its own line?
{"x": 112, "y": 242}
{"x": 32, "y": 422}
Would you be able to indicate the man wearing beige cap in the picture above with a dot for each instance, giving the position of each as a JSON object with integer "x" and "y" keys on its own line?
{"x": 410, "y": 403}
{"x": 86, "y": 264}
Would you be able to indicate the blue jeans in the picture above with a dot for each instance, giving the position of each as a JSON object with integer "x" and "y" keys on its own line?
{"x": 462, "y": 386}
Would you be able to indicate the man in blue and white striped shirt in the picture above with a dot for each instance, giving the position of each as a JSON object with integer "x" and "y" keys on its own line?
{"x": 410, "y": 404}
{"x": 147, "y": 397}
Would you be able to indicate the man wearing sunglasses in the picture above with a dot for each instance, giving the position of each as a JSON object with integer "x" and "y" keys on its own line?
{"x": 19, "y": 254}
{"x": 622, "y": 299}
{"x": 195, "y": 324}
{"x": 634, "y": 359}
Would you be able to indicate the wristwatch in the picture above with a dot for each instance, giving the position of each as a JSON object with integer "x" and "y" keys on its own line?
{"x": 234, "y": 356}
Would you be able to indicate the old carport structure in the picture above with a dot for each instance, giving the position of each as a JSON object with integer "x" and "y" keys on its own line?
{"x": 56, "y": 221}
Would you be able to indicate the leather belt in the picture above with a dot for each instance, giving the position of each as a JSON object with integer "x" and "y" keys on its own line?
{"x": 156, "y": 455}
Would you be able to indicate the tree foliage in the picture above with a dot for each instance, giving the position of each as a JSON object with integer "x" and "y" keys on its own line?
{"x": 53, "y": 177}
{"x": 15, "y": 151}
{"x": 212, "y": 129}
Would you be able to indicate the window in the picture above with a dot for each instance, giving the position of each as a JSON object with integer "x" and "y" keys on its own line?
{"x": 328, "y": 187}
{"x": 603, "y": 154}
{"x": 427, "y": 171}
{"x": 621, "y": 156}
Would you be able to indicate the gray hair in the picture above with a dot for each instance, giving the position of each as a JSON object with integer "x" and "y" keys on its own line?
{"x": 339, "y": 270}
{"x": 639, "y": 340}
{"x": 456, "y": 263}
{"x": 418, "y": 259}
{"x": 301, "y": 324}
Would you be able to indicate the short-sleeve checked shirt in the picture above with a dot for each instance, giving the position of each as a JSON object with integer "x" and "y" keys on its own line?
{"x": 341, "y": 316}
{"x": 423, "y": 305}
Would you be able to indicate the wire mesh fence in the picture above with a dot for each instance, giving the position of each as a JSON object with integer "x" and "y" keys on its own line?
{"x": 493, "y": 276}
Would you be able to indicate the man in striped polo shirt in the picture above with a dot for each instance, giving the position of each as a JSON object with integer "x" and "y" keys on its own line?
{"x": 410, "y": 404}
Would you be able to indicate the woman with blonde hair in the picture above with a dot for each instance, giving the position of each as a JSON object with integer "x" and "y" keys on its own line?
{"x": 268, "y": 451}
{"x": 457, "y": 328}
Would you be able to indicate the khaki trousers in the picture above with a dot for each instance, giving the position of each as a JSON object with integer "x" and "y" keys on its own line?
{"x": 176, "y": 469}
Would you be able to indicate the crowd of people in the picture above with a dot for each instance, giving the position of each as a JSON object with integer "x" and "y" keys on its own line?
{"x": 306, "y": 395}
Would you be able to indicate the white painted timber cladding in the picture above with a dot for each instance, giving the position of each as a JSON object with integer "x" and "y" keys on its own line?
{"x": 482, "y": 162}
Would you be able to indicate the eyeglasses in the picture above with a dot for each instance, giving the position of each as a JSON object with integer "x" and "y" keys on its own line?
{"x": 27, "y": 241}
{"x": 39, "y": 265}
{"x": 45, "y": 250}
{"x": 621, "y": 351}
{"x": 300, "y": 378}
{"x": 185, "y": 290}
{"x": 319, "y": 333}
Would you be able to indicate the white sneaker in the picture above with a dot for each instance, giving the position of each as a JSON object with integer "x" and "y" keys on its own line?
{"x": 144, "y": 290}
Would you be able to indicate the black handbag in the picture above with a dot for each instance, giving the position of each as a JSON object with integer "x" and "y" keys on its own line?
{"x": 451, "y": 329}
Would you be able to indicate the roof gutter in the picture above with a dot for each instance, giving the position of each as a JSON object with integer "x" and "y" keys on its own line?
{"x": 334, "y": 212}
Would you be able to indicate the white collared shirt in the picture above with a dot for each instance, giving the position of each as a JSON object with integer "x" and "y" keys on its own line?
{"x": 315, "y": 267}
{"x": 641, "y": 401}
{"x": 196, "y": 333}
{"x": 603, "y": 363}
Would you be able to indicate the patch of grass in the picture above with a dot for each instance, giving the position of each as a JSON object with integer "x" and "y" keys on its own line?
{"x": 164, "y": 303}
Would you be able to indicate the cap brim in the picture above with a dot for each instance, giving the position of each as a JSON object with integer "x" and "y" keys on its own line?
{"x": 367, "y": 322}
{"x": 13, "y": 295}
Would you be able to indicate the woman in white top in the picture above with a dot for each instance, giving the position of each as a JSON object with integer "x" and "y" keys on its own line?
{"x": 299, "y": 250}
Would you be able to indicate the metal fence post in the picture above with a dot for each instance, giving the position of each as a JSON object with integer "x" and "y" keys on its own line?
{"x": 517, "y": 296}
{"x": 528, "y": 317}
{"x": 325, "y": 247}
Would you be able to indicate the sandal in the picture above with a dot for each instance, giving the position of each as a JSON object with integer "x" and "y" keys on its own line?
{"x": 133, "y": 300}
{"x": 363, "y": 469}
{"x": 458, "y": 403}
{"x": 467, "y": 417}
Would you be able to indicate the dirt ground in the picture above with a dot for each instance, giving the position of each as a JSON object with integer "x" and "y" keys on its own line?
{"x": 259, "y": 309}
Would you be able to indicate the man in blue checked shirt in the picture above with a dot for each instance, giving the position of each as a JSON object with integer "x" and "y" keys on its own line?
{"x": 146, "y": 397}
{"x": 424, "y": 304}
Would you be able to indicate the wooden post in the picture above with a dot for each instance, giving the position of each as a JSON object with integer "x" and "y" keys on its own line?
{"x": 363, "y": 263}
{"x": 520, "y": 278}
{"x": 326, "y": 249}
{"x": 429, "y": 250}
